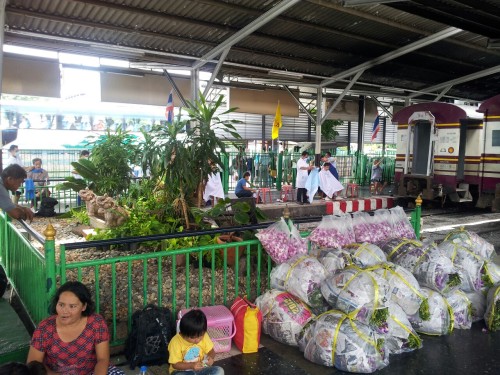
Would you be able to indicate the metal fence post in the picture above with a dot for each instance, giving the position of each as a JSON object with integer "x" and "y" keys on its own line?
{"x": 225, "y": 172}
{"x": 280, "y": 171}
{"x": 50, "y": 261}
{"x": 416, "y": 215}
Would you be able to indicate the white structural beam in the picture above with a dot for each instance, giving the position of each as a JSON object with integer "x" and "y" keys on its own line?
{"x": 446, "y": 33}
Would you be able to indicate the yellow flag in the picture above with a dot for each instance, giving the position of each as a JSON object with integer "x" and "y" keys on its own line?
{"x": 277, "y": 122}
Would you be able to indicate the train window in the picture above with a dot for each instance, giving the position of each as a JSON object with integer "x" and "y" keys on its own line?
{"x": 495, "y": 138}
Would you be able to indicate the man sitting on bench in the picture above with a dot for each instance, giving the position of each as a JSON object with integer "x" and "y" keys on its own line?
{"x": 242, "y": 190}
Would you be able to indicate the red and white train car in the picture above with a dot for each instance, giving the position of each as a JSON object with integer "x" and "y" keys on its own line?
{"x": 447, "y": 150}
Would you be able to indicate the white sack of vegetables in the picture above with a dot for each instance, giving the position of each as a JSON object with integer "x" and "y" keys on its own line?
{"x": 473, "y": 241}
{"x": 401, "y": 337}
{"x": 397, "y": 246}
{"x": 478, "y": 304}
{"x": 440, "y": 320}
{"x": 282, "y": 242}
{"x": 430, "y": 267}
{"x": 405, "y": 289}
{"x": 333, "y": 231}
{"x": 365, "y": 254}
{"x": 301, "y": 276}
{"x": 361, "y": 294}
{"x": 333, "y": 339}
{"x": 334, "y": 259}
{"x": 283, "y": 315}
{"x": 492, "y": 315}
{"x": 462, "y": 309}
{"x": 468, "y": 264}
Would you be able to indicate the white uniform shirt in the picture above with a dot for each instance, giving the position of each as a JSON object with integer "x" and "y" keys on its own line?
{"x": 301, "y": 173}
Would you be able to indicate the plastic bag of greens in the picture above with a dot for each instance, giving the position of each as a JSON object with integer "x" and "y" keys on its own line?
{"x": 365, "y": 254}
{"x": 401, "y": 337}
{"x": 361, "y": 294}
{"x": 430, "y": 267}
{"x": 478, "y": 304}
{"x": 301, "y": 276}
{"x": 468, "y": 264}
{"x": 334, "y": 231}
{"x": 405, "y": 290}
{"x": 462, "y": 309}
{"x": 472, "y": 241}
{"x": 282, "y": 242}
{"x": 490, "y": 274}
{"x": 283, "y": 315}
{"x": 333, "y": 339}
{"x": 441, "y": 317}
{"x": 397, "y": 246}
{"x": 492, "y": 315}
{"x": 334, "y": 259}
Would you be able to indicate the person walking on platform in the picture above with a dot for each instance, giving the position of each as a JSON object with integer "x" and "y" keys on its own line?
{"x": 302, "y": 172}
{"x": 11, "y": 178}
{"x": 15, "y": 159}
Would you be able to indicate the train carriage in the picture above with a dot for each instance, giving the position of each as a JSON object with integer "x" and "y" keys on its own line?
{"x": 448, "y": 150}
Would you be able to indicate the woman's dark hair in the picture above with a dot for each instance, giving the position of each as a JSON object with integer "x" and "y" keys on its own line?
{"x": 193, "y": 324}
{"x": 15, "y": 171}
{"x": 305, "y": 153}
{"x": 79, "y": 290}
{"x": 246, "y": 174}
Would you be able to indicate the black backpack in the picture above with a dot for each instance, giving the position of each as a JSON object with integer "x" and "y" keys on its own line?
{"x": 147, "y": 343}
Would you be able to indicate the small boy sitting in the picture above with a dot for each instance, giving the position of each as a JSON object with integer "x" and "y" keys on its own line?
{"x": 191, "y": 349}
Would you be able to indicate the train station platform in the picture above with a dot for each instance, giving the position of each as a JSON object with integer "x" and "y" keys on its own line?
{"x": 364, "y": 201}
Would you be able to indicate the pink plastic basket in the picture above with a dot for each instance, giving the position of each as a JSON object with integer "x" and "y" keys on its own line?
{"x": 220, "y": 326}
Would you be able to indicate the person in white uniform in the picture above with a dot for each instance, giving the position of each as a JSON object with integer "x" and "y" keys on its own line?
{"x": 303, "y": 168}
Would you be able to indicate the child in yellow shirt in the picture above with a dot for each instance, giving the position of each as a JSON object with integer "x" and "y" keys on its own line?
{"x": 191, "y": 349}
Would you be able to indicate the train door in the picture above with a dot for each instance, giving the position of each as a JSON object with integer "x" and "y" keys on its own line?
{"x": 421, "y": 146}
{"x": 461, "y": 150}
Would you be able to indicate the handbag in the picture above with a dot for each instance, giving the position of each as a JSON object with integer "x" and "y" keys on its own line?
{"x": 248, "y": 321}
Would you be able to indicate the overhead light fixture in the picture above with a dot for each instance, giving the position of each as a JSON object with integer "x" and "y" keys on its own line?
{"x": 284, "y": 73}
{"x": 352, "y": 3}
{"x": 493, "y": 43}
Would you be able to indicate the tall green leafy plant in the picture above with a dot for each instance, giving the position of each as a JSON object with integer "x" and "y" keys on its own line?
{"x": 112, "y": 155}
{"x": 206, "y": 137}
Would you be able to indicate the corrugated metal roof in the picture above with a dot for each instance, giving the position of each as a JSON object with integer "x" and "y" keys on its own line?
{"x": 316, "y": 38}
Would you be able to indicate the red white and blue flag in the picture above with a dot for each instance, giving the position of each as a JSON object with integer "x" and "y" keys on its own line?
{"x": 169, "y": 110}
{"x": 376, "y": 128}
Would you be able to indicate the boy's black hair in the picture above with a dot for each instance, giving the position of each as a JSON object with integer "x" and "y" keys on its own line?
{"x": 246, "y": 174}
{"x": 15, "y": 171}
{"x": 12, "y": 147}
{"x": 84, "y": 153}
{"x": 79, "y": 290}
{"x": 193, "y": 324}
{"x": 327, "y": 164}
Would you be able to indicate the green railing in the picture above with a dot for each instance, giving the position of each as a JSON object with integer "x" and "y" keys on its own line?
{"x": 27, "y": 268}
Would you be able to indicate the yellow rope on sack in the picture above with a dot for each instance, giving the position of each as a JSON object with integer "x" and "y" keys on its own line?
{"x": 288, "y": 274}
{"x": 365, "y": 246}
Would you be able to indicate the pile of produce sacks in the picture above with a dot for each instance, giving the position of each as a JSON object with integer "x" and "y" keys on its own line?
{"x": 383, "y": 293}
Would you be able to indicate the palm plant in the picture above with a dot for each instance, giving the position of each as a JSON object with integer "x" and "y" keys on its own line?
{"x": 206, "y": 137}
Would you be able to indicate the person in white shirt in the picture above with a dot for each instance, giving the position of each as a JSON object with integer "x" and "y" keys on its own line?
{"x": 302, "y": 172}
{"x": 15, "y": 159}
